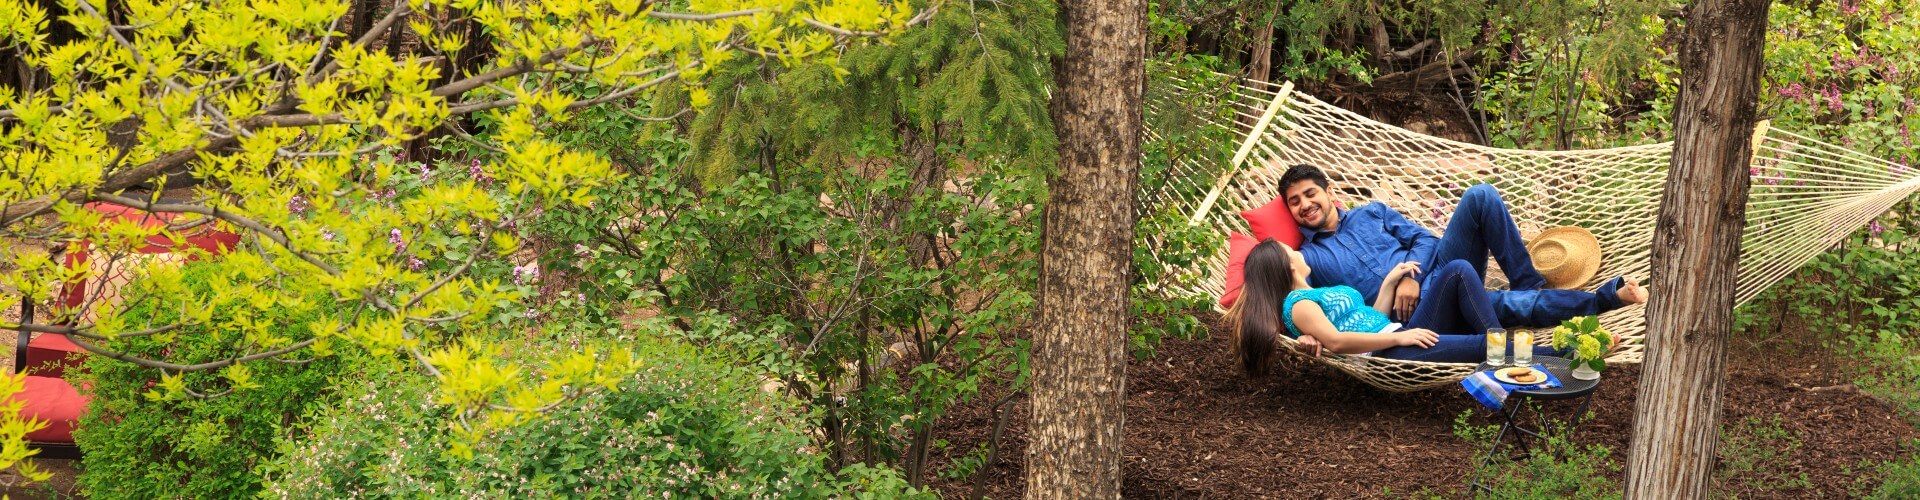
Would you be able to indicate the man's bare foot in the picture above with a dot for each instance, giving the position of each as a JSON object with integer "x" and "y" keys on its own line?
{"x": 1631, "y": 292}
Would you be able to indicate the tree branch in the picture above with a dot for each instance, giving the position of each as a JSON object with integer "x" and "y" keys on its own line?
{"x": 152, "y": 363}
{"x": 682, "y": 16}
{"x": 522, "y": 66}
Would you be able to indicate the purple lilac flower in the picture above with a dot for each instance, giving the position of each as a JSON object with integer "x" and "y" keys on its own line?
{"x": 526, "y": 274}
{"x": 533, "y": 313}
{"x": 1875, "y": 227}
{"x": 1832, "y": 93}
{"x": 479, "y": 173}
{"x": 398, "y": 240}
{"x": 298, "y": 204}
{"x": 326, "y": 234}
{"x": 1793, "y": 91}
{"x": 582, "y": 251}
{"x": 426, "y": 172}
{"x": 414, "y": 263}
{"x": 1849, "y": 8}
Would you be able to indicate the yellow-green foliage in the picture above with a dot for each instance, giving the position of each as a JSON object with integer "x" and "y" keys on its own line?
{"x": 288, "y": 122}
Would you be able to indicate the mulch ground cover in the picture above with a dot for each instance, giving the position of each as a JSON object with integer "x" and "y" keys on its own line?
{"x": 1197, "y": 428}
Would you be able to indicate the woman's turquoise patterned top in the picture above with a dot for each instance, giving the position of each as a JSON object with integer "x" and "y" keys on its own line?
{"x": 1345, "y": 309}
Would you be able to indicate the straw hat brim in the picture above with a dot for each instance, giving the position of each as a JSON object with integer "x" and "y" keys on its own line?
{"x": 1581, "y": 262}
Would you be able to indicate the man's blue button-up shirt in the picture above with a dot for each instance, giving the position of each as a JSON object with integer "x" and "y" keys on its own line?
{"x": 1368, "y": 242}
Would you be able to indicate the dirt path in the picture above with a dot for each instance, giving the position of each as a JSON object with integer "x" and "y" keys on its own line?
{"x": 1198, "y": 429}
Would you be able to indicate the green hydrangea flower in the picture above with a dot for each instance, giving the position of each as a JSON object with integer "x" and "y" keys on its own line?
{"x": 1589, "y": 348}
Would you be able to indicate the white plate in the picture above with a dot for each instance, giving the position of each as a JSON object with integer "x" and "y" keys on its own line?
{"x": 1501, "y": 375}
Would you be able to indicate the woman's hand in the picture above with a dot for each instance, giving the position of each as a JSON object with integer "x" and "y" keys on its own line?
{"x": 1309, "y": 346}
{"x": 1405, "y": 269}
{"x": 1417, "y": 337}
{"x": 1399, "y": 295}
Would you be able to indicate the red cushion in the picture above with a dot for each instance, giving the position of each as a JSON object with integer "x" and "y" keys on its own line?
{"x": 205, "y": 237}
{"x": 55, "y": 402}
{"x": 1273, "y": 221}
{"x": 51, "y": 355}
{"x": 1238, "y": 246}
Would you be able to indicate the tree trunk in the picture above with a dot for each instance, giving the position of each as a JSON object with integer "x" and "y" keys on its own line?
{"x": 1260, "y": 68}
{"x": 1080, "y": 341}
{"x": 1695, "y": 247}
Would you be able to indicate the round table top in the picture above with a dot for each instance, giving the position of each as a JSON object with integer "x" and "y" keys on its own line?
{"x": 1569, "y": 387}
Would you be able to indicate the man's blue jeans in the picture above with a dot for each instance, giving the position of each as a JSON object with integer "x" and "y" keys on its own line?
{"x": 1482, "y": 227}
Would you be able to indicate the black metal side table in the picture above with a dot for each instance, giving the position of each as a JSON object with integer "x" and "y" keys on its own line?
{"x": 1513, "y": 419}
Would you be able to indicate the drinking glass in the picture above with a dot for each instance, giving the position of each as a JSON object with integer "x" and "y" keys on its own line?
{"x": 1496, "y": 346}
{"x": 1523, "y": 347}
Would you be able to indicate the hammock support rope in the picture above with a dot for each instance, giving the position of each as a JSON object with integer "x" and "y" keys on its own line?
{"x": 1806, "y": 195}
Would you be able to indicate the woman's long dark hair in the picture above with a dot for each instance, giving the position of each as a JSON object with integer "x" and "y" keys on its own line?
{"x": 1256, "y": 315}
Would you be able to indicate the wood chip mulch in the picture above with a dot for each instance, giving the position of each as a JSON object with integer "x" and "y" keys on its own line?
{"x": 1197, "y": 428}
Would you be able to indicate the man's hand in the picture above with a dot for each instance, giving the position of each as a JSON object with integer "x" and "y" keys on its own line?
{"x": 1309, "y": 346}
{"x": 1406, "y": 296}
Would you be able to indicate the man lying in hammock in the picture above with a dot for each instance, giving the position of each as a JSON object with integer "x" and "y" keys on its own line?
{"x": 1360, "y": 248}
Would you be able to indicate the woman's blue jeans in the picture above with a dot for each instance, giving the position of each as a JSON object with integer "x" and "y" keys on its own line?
{"x": 1461, "y": 313}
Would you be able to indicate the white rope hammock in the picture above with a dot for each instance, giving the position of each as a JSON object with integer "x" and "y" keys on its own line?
{"x": 1806, "y": 194}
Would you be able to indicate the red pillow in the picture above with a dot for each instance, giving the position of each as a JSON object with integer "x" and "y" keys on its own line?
{"x": 1238, "y": 246}
{"x": 1274, "y": 221}
{"x": 53, "y": 401}
{"x": 207, "y": 237}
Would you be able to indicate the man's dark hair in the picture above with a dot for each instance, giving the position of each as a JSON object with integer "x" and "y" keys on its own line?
{"x": 1302, "y": 172}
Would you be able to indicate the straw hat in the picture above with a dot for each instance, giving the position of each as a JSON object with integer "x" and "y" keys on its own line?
{"x": 1568, "y": 256}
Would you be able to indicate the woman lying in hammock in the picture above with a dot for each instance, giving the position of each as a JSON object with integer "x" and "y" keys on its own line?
{"x": 1447, "y": 327}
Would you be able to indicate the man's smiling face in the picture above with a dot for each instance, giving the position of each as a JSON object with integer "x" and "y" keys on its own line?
{"x": 1311, "y": 205}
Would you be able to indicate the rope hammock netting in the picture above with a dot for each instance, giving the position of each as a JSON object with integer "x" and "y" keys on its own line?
{"x": 1806, "y": 194}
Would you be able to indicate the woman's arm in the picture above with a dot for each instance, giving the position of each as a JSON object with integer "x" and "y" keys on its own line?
{"x": 1383, "y": 302}
{"x": 1312, "y": 321}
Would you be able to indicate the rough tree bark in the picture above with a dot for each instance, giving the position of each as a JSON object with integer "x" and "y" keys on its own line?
{"x": 1695, "y": 247}
{"x": 1260, "y": 61}
{"x": 1080, "y": 342}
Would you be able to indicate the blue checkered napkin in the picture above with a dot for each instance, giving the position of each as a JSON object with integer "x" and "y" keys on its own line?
{"x": 1491, "y": 393}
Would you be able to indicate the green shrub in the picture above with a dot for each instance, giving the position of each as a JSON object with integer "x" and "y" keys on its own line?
{"x": 1752, "y": 452}
{"x": 1868, "y": 287}
{"x": 686, "y": 426}
{"x": 1898, "y": 478}
{"x": 140, "y": 444}
{"x": 1579, "y": 472}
